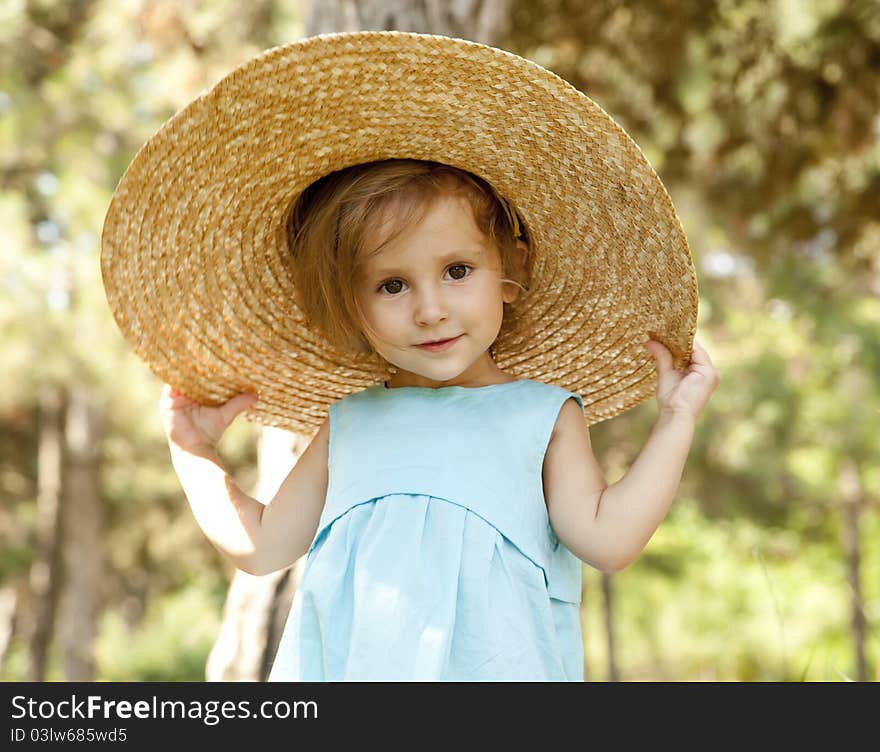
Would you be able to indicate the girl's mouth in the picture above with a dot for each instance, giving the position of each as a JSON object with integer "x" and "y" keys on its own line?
{"x": 439, "y": 346}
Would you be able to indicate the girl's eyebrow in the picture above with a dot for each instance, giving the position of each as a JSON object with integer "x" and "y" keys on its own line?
{"x": 444, "y": 259}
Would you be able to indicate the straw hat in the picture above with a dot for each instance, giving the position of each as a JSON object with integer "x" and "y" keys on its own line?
{"x": 194, "y": 254}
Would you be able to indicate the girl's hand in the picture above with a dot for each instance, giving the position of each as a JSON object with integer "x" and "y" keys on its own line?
{"x": 193, "y": 426}
{"x": 683, "y": 392}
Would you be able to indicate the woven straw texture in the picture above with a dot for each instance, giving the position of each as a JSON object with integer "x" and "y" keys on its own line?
{"x": 195, "y": 262}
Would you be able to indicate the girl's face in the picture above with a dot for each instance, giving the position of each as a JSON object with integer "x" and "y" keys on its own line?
{"x": 439, "y": 279}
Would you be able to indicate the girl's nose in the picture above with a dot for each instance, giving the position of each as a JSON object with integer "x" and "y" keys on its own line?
{"x": 430, "y": 308}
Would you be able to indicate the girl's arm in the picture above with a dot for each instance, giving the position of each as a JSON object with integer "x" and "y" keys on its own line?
{"x": 609, "y": 526}
{"x": 228, "y": 517}
{"x": 258, "y": 539}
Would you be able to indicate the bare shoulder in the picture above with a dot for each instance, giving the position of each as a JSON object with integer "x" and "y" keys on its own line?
{"x": 573, "y": 482}
{"x": 570, "y": 420}
{"x": 312, "y": 464}
{"x": 321, "y": 439}
{"x": 569, "y": 440}
{"x": 290, "y": 521}
{"x": 570, "y": 469}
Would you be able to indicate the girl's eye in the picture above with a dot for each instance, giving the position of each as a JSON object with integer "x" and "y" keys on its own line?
{"x": 460, "y": 266}
{"x": 384, "y": 285}
{"x": 396, "y": 283}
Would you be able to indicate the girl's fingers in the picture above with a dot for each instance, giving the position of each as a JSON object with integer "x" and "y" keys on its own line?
{"x": 239, "y": 403}
{"x": 700, "y": 356}
{"x": 170, "y": 391}
{"x": 701, "y": 361}
{"x": 661, "y": 355}
{"x": 173, "y": 399}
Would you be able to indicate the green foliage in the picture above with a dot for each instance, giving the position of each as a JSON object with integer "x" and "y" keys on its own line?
{"x": 730, "y": 601}
{"x": 171, "y": 643}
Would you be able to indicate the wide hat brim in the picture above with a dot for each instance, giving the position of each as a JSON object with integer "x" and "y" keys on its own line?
{"x": 195, "y": 259}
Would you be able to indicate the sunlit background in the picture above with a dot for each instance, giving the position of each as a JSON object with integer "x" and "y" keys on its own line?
{"x": 761, "y": 117}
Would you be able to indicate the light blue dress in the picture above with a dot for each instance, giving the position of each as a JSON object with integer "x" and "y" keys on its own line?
{"x": 434, "y": 558}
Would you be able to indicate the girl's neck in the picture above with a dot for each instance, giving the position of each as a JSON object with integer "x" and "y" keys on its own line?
{"x": 475, "y": 379}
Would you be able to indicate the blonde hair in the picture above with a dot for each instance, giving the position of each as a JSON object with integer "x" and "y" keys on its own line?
{"x": 332, "y": 218}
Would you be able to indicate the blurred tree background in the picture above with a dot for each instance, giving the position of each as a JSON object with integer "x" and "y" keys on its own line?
{"x": 762, "y": 119}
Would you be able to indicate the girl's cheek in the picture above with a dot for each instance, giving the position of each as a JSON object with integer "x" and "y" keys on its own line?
{"x": 389, "y": 313}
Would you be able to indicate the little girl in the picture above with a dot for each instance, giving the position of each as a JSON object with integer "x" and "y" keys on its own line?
{"x": 446, "y": 509}
{"x": 423, "y": 502}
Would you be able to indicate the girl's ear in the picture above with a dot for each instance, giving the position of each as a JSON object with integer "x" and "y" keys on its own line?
{"x": 518, "y": 263}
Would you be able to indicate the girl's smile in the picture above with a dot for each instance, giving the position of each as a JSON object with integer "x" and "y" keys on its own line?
{"x": 441, "y": 345}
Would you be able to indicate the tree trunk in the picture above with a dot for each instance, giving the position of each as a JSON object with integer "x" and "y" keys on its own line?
{"x": 45, "y": 573}
{"x": 608, "y": 612}
{"x": 485, "y": 21}
{"x": 852, "y": 495}
{"x": 8, "y": 605}
{"x": 81, "y": 517}
{"x": 584, "y": 595}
